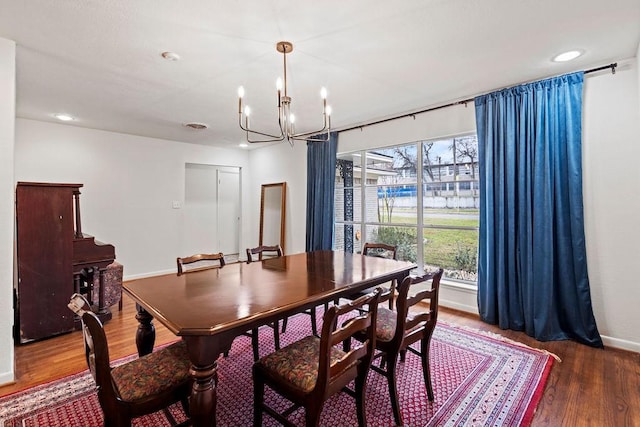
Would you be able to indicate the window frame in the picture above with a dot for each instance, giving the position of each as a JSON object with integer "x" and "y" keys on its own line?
{"x": 364, "y": 225}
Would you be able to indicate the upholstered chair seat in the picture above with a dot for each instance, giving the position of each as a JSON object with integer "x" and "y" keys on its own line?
{"x": 297, "y": 363}
{"x": 152, "y": 374}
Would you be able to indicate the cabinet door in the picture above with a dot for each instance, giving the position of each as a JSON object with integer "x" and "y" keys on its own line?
{"x": 45, "y": 276}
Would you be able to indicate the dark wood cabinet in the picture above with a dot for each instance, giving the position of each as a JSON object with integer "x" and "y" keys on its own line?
{"x": 45, "y": 231}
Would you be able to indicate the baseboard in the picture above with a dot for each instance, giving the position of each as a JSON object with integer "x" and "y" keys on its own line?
{"x": 458, "y": 306}
{"x": 146, "y": 275}
{"x": 620, "y": 344}
{"x": 7, "y": 378}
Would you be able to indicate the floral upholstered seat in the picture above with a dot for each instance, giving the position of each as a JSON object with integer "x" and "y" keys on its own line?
{"x": 154, "y": 373}
{"x": 297, "y": 363}
{"x": 386, "y": 324}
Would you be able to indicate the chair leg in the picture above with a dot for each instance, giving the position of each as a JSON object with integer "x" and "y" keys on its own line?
{"x": 312, "y": 415}
{"x": 361, "y": 380}
{"x": 403, "y": 355}
{"x": 392, "y": 361}
{"x": 254, "y": 344}
{"x": 116, "y": 420}
{"x": 258, "y": 399}
{"x": 276, "y": 334}
{"x": 284, "y": 325}
{"x": 426, "y": 369}
{"x": 314, "y": 328}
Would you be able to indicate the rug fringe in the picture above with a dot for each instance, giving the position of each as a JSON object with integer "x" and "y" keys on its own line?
{"x": 502, "y": 338}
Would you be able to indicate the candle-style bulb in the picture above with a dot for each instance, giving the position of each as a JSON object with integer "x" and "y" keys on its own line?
{"x": 240, "y": 92}
{"x": 328, "y": 110}
{"x": 279, "y": 84}
{"x": 323, "y": 93}
{"x": 292, "y": 118}
{"x": 247, "y": 111}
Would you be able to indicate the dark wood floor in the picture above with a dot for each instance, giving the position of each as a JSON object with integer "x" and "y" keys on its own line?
{"x": 590, "y": 387}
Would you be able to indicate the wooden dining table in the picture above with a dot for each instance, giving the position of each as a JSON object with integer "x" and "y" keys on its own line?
{"x": 209, "y": 308}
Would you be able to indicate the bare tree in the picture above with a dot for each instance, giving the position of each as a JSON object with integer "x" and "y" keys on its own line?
{"x": 408, "y": 156}
{"x": 466, "y": 147}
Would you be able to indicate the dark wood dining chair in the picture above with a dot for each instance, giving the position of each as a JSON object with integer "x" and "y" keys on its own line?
{"x": 142, "y": 386}
{"x": 397, "y": 330}
{"x": 380, "y": 250}
{"x": 258, "y": 253}
{"x": 255, "y": 254}
{"x": 309, "y": 371}
{"x": 200, "y": 262}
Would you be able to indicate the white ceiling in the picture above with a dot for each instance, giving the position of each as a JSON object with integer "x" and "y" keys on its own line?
{"x": 100, "y": 60}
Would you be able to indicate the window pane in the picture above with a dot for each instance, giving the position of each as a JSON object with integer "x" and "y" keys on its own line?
{"x": 348, "y": 204}
{"x": 397, "y": 204}
{"x": 391, "y": 173}
{"x": 348, "y": 170}
{"x": 392, "y": 166}
{"x": 450, "y": 181}
{"x": 454, "y": 250}
{"x": 348, "y": 238}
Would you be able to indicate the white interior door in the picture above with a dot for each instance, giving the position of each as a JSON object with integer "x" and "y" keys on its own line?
{"x": 228, "y": 210}
{"x": 211, "y": 210}
{"x": 200, "y": 210}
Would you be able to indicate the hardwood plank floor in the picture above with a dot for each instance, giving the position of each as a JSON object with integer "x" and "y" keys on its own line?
{"x": 590, "y": 387}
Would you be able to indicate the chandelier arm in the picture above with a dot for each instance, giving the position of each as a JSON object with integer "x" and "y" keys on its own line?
{"x": 255, "y": 132}
{"x": 256, "y": 141}
{"x": 323, "y": 138}
{"x": 248, "y": 131}
{"x": 326, "y": 127}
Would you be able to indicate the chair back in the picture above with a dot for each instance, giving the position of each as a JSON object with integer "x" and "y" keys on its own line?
{"x": 356, "y": 359}
{"x": 200, "y": 262}
{"x": 380, "y": 250}
{"x": 95, "y": 346}
{"x": 410, "y": 327}
{"x": 256, "y": 254}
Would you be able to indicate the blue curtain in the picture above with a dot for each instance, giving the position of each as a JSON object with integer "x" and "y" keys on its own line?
{"x": 532, "y": 266}
{"x": 321, "y": 178}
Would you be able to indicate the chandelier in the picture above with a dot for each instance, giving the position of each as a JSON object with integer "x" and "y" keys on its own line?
{"x": 286, "y": 119}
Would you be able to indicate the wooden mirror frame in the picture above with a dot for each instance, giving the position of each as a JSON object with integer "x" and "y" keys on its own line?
{"x": 270, "y": 205}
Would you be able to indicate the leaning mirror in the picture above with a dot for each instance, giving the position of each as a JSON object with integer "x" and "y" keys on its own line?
{"x": 272, "y": 214}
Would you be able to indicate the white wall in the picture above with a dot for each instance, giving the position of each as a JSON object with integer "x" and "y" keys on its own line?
{"x": 611, "y": 129}
{"x": 129, "y": 182}
{"x": 7, "y": 119}
{"x": 280, "y": 163}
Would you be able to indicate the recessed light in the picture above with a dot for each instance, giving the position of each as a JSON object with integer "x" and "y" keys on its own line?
{"x": 243, "y": 145}
{"x": 170, "y": 56}
{"x": 567, "y": 56}
{"x": 64, "y": 117}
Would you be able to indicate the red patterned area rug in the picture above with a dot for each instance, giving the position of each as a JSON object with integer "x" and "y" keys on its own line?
{"x": 478, "y": 379}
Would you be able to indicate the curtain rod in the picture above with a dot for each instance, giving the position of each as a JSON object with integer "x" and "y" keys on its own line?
{"x": 464, "y": 102}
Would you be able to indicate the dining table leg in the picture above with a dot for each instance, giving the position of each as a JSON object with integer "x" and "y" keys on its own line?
{"x": 203, "y": 353}
{"x": 146, "y": 333}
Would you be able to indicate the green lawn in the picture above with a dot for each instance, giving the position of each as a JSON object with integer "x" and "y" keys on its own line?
{"x": 448, "y": 248}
